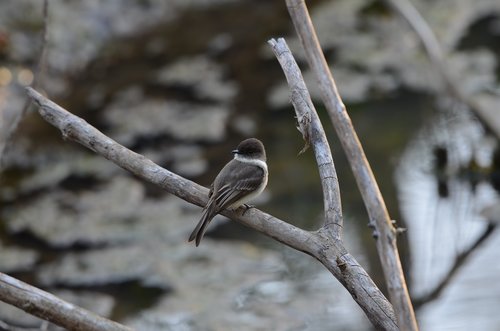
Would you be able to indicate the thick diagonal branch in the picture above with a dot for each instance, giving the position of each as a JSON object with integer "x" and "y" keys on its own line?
{"x": 76, "y": 129}
{"x": 325, "y": 249}
{"x": 375, "y": 205}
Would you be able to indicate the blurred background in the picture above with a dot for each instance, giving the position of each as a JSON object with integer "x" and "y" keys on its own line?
{"x": 182, "y": 82}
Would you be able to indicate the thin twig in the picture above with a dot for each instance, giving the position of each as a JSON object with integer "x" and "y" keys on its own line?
{"x": 329, "y": 251}
{"x": 436, "y": 55}
{"x": 430, "y": 43}
{"x": 37, "y": 78}
{"x": 42, "y": 60}
{"x": 377, "y": 211}
{"x": 314, "y": 135}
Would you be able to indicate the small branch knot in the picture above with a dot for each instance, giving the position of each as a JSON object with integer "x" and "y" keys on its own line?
{"x": 400, "y": 230}
{"x": 341, "y": 264}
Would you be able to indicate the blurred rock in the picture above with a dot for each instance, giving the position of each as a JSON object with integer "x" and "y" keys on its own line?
{"x": 14, "y": 259}
{"x": 379, "y": 52}
{"x": 180, "y": 120}
{"x": 15, "y": 316}
{"x": 245, "y": 125}
{"x": 98, "y": 267}
{"x": 88, "y": 27}
{"x": 271, "y": 291}
{"x": 95, "y": 302}
{"x": 186, "y": 159}
{"x": 166, "y": 322}
{"x": 200, "y": 74}
{"x": 115, "y": 213}
{"x": 60, "y": 166}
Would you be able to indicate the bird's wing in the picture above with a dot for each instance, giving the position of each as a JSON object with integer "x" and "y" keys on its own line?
{"x": 247, "y": 179}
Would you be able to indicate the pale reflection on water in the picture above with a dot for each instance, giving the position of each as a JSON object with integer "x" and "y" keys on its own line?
{"x": 442, "y": 226}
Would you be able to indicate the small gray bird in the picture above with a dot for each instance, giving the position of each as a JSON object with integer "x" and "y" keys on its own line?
{"x": 241, "y": 180}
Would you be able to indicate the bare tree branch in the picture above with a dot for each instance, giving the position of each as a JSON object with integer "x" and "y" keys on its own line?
{"x": 76, "y": 129}
{"x": 51, "y": 308}
{"x": 326, "y": 249}
{"x": 42, "y": 57}
{"x": 422, "y": 29}
{"x": 313, "y": 133}
{"x": 377, "y": 211}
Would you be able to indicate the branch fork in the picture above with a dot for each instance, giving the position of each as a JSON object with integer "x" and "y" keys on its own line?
{"x": 325, "y": 244}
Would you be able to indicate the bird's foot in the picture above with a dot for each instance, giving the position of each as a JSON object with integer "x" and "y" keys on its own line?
{"x": 247, "y": 207}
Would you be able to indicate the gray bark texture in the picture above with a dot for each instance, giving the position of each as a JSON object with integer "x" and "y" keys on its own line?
{"x": 384, "y": 230}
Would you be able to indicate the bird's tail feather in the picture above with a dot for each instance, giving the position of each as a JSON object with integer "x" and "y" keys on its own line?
{"x": 201, "y": 227}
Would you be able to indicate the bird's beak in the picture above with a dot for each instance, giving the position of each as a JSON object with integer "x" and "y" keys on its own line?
{"x": 235, "y": 151}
